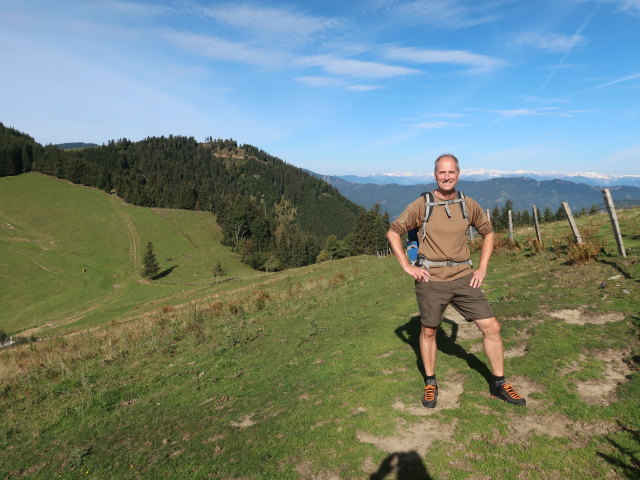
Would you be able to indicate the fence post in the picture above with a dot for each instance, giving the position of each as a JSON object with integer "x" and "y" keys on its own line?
{"x": 572, "y": 222}
{"x": 488, "y": 214}
{"x": 535, "y": 219}
{"x": 471, "y": 235}
{"x": 510, "y": 227}
{"x": 614, "y": 220}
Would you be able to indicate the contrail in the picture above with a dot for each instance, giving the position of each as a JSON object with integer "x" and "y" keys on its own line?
{"x": 566, "y": 55}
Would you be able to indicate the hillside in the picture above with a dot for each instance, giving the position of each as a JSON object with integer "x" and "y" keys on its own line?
{"x": 70, "y": 254}
{"x": 523, "y": 192}
{"x": 313, "y": 374}
{"x": 275, "y": 215}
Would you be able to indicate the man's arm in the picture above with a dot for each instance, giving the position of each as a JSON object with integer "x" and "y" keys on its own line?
{"x": 396, "y": 245}
{"x": 485, "y": 254}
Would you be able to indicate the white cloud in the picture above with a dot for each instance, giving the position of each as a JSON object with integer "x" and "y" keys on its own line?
{"x": 438, "y": 125}
{"x": 458, "y": 57}
{"x": 138, "y": 9}
{"x": 275, "y": 24}
{"x": 332, "y": 82}
{"x": 628, "y": 156}
{"x": 323, "y": 82}
{"x": 524, "y": 112}
{"x": 448, "y": 14}
{"x": 221, "y": 49}
{"x": 631, "y": 7}
{"x": 551, "y": 42}
{"x": 355, "y": 68}
{"x": 363, "y": 88}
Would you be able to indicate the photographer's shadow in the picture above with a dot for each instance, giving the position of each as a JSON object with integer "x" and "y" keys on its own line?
{"x": 410, "y": 334}
{"x": 405, "y": 465}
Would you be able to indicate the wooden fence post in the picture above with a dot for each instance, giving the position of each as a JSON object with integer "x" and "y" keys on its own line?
{"x": 488, "y": 214}
{"x": 535, "y": 219}
{"x": 471, "y": 235}
{"x": 572, "y": 222}
{"x": 614, "y": 220}
{"x": 510, "y": 227}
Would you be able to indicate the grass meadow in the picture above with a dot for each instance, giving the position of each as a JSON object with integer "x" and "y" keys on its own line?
{"x": 70, "y": 255}
{"x": 313, "y": 373}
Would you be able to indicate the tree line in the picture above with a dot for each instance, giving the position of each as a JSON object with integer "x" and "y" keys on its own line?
{"x": 274, "y": 215}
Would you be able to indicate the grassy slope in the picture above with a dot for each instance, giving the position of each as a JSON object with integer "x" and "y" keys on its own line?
{"x": 70, "y": 254}
{"x": 312, "y": 373}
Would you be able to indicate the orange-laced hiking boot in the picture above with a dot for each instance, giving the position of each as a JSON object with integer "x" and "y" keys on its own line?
{"x": 506, "y": 392}
{"x": 430, "y": 395}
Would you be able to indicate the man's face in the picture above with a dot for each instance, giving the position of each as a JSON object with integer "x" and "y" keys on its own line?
{"x": 447, "y": 174}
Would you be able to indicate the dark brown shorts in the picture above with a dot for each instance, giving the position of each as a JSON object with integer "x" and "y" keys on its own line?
{"x": 433, "y": 298}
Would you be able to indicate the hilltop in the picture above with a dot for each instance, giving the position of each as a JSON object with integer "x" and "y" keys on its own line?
{"x": 275, "y": 215}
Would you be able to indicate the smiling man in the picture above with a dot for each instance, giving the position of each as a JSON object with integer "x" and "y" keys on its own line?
{"x": 443, "y": 273}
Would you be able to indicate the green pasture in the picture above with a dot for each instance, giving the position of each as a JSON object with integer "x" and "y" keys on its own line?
{"x": 70, "y": 255}
{"x": 313, "y": 374}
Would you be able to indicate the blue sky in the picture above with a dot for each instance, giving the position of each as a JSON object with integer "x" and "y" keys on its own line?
{"x": 337, "y": 87}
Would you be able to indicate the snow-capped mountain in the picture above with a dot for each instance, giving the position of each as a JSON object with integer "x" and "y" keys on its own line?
{"x": 588, "y": 178}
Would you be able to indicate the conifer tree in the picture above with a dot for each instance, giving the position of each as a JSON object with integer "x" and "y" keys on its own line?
{"x": 150, "y": 267}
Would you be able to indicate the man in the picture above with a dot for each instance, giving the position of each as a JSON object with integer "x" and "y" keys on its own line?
{"x": 444, "y": 274}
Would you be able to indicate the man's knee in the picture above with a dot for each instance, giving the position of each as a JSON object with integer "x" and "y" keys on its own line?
{"x": 429, "y": 333}
{"x": 489, "y": 326}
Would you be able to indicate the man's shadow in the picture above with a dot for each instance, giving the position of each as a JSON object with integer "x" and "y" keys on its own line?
{"x": 406, "y": 465}
{"x": 410, "y": 334}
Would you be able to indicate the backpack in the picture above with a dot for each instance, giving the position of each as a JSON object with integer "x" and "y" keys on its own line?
{"x": 430, "y": 202}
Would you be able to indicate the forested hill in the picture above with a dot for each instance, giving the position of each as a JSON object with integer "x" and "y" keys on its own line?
{"x": 274, "y": 214}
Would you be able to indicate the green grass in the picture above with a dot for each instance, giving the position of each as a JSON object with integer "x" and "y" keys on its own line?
{"x": 304, "y": 374}
{"x": 283, "y": 377}
{"x": 70, "y": 255}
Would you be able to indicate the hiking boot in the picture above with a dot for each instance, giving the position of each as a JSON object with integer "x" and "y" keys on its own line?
{"x": 506, "y": 392}
{"x": 430, "y": 395}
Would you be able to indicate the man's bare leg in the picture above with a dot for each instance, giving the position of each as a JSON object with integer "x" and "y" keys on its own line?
{"x": 428, "y": 349}
{"x": 492, "y": 343}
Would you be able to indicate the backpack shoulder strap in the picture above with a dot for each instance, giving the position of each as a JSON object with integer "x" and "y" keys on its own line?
{"x": 463, "y": 205}
{"x": 428, "y": 208}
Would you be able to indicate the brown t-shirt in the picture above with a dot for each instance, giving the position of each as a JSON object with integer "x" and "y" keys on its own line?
{"x": 445, "y": 237}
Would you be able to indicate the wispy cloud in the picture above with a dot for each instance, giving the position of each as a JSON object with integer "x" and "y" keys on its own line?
{"x": 332, "y": 82}
{"x": 456, "y": 57}
{"x": 138, "y": 9}
{"x": 578, "y": 33}
{"x": 524, "y": 112}
{"x": 551, "y": 42}
{"x": 630, "y": 7}
{"x": 635, "y": 76}
{"x": 221, "y": 49}
{"x": 438, "y": 125}
{"x": 355, "y": 68}
{"x": 282, "y": 25}
{"x": 627, "y": 156}
{"x": 446, "y": 14}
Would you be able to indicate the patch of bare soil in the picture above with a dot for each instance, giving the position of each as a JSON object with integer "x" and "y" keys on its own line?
{"x": 245, "y": 422}
{"x": 460, "y": 328}
{"x": 525, "y": 387}
{"x": 408, "y": 438}
{"x": 602, "y": 390}
{"x": 518, "y": 351}
{"x": 580, "y": 317}
{"x": 448, "y": 397}
{"x": 305, "y": 469}
{"x": 555, "y": 425}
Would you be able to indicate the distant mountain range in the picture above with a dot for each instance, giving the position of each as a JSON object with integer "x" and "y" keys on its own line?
{"x": 523, "y": 192}
{"x": 588, "y": 178}
{"x": 74, "y": 145}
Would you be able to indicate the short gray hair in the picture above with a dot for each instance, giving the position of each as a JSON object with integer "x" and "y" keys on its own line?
{"x": 446, "y": 155}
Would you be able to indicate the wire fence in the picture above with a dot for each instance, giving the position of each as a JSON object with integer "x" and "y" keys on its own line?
{"x": 597, "y": 227}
